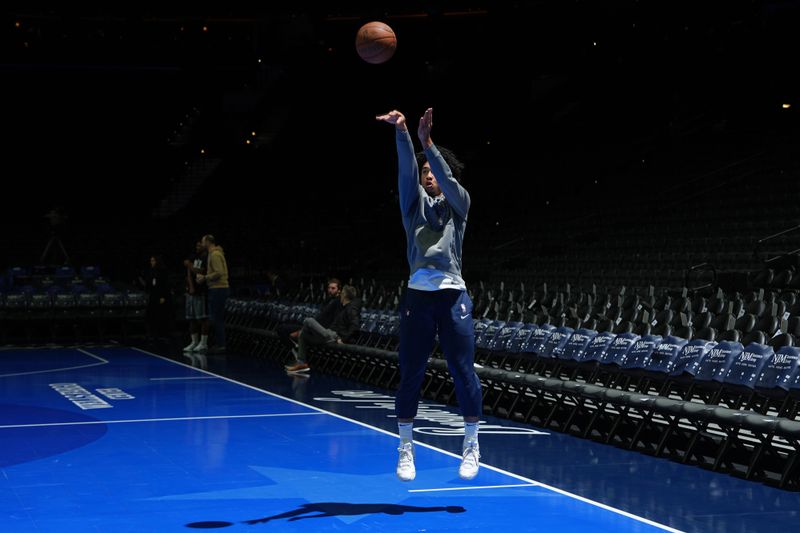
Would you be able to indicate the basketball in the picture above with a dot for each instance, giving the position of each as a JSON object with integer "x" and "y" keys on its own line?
{"x": 375, "y": 42}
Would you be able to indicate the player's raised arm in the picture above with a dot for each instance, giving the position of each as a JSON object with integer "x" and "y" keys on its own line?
{"x": 408, "y": 178}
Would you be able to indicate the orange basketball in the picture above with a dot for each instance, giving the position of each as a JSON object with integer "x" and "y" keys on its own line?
{"x": 375, "y": 42}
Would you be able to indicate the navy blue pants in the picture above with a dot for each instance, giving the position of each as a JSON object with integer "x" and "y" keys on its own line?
{"x": 423, "y": 314}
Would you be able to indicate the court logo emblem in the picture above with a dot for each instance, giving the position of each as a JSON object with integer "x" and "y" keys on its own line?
{"x": 442, "y": 421}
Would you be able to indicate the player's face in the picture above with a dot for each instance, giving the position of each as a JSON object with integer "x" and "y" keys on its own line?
{"x": 428, "y": 181}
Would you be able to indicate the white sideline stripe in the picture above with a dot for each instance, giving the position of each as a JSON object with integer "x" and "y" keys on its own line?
{"x": 185, "y": 377}
{"x": 102, "y": 362}
{"x": 91, "y": 422}
{"x": 381, "y": 430}
{"x": 477, "y": 488}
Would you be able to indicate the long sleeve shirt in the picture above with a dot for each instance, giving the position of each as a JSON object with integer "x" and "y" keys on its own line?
{"x": 434, "y": 225}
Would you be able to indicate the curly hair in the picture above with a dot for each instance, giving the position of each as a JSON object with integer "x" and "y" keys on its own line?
{"x": 456, "y": 166}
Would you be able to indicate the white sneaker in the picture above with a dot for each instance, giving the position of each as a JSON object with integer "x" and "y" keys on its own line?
{"x": 470, "y": 461}
{"x": 190, "y": 348}
{"x": 405, "y": 463}
{"x": 200, "y": 348}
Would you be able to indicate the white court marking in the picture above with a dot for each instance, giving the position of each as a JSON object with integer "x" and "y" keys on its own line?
{"x": 178, "y": 418}
{"x": 477, "y": 488}
{"x": 381, "y": 430}
{"x": 185, "y": 377}
{"x": 102, "y": 362}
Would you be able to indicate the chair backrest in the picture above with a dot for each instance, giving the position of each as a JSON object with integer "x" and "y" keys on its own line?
{"x": 781, "y": 369}
{"x": 598, "y": 346}
{"x": 520, "y": 338}
{"x": 501, "y": 340}
{"x": 486, "y": 332}
{"x": 136, "y": 299}
{"x": 690, "y": 357}
{"x": 748, "y": 365}
{"x": 40, "y": 301}
{"x": 88, "y": 301}
{"x": 113, "y": 300}
{"x": 619, "y": 348}
{"x": 90, "y": 272}
{"x": 17, "y": 301}
{"x": 665, "y": 353}
{"x": 716, "y": 363}
{"x": 577, "y": 343}
{"x": 479, "y": 326}
{"x": 64, "y": 301}
{"x": 639, "y": 354}
{"x": 538, "y": 337}
{"x": 554, "y": 345}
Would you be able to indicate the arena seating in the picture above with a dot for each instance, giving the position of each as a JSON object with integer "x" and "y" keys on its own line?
{"x": 66, "y": 305}
{"x": 705, "y": 377}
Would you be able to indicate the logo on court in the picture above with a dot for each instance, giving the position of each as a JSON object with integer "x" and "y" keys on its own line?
{"x": 445, "y": 423}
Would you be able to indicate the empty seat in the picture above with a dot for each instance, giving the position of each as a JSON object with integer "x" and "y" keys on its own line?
{"x": 715, "y": 365}
{"x": 748, "y": 364}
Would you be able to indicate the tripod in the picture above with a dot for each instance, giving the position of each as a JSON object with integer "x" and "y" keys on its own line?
{"x": 57, "y": 246}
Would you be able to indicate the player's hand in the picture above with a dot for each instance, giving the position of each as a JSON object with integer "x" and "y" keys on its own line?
{"x": 394, "y": 117}
{"x": 200, "y": 278}
{"x": 339, "y": 341}
{"x": 425, "y": 126}
{"x": 161, "y": 301}
{"x": 187, "y": 263}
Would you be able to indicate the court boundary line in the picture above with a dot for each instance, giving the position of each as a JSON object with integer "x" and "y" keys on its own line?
{"x": 133, "y": 420}
{"x": 103, "y": 362}
{"x": 185, "y": 377}
{"x": 425, "y": 445}
{"x": 477, "y": 488}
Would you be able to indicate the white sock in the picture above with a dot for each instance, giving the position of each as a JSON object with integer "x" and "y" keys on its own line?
{"x": 470, "y": 432}
{"x": 406, "y": 429}
{"x": 204, "y": 340}
{"x": 194, "y": 338}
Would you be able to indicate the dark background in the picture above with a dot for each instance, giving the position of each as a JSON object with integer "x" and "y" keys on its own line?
{"x": 558, "y": 108}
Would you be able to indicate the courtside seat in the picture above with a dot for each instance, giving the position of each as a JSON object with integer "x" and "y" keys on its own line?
{"x": 715, "y": 365}
{"x": 748, "y": 365}
{"x": 537, "y": 338}
{"x": 553, "y": 347}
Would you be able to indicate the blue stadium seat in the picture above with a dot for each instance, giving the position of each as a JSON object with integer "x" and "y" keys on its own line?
{"x": 537, "y": 338}
{"x": 554, "y": 345}
{"x": 520, "y": 338}
{"x": 619, "y": 348}
{"x": 487, "y": 334}
{"x": 64, "y": 274}
{"x": 781, "y": 369}
{"x": 717, "y": 361}
{"x": 641, "y": 351}
{"x": 665, "y": 354}
{"x": 578, "y": 343}
{"x": 90, "y": 273}
{"x": 597, "y": 347}
{"x": 690, "y": 357}
{"x": 747, "y": 366}
{"x": 501, "y": 341}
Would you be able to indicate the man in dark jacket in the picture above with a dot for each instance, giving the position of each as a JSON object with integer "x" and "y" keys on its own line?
{"x": 288, "y": 332}
{"x": 346, "y": 323}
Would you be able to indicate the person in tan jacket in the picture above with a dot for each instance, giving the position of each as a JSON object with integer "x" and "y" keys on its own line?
{"x": 216, "y": 279}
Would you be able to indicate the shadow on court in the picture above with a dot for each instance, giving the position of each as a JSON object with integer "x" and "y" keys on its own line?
{"x": 331, "y": 509}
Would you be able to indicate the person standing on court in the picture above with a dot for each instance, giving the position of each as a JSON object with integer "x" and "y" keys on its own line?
{"x": 216, "y": 279}
{"x": 434, "y": 207}
{"x": 196, "y": 308}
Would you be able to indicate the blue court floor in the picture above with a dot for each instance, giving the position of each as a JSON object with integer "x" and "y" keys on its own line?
{"x": 123, "y": 440}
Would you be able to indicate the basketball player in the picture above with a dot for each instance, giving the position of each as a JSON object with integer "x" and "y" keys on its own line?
{"x": 434, "y": 207}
